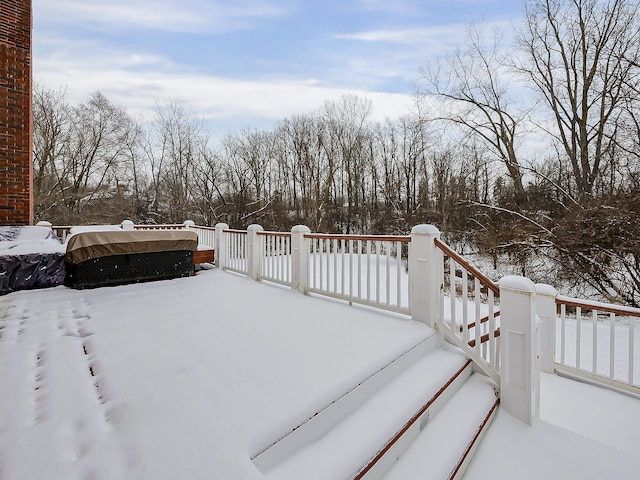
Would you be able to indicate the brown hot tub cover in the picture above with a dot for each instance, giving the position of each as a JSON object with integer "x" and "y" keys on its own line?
{"x": 89, "y": 245}
{"x": 98, "y": 258}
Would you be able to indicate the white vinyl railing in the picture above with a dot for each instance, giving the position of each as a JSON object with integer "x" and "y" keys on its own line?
{"x": 206, "y": 235}
{"x": 166, "y": 226}
{"x": 470, "y": 315}
{"x": 275, "y": 261}
{"x": 235, "y": 251}
{"x": 63, "y": 231}
{"x": 369, "y": 270}
{"x": 598, "y": 340}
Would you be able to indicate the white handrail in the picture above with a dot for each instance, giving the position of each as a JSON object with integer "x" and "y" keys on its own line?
{"x": 599, "y": 345}
{"x": 363, "y": 269}
{"x": 206, "y": 235}
{"x": 236, "y": 251}
{"x": 472, "y": 320}
{"x": 275, "y": 262}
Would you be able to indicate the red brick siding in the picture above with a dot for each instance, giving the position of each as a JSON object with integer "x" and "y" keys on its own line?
{"x": 15, "y": 113}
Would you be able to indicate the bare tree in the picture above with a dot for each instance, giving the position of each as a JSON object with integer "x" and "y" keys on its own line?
{"x": 302, "y": 163}
{"x": 77, "y": 152}
{"x": 473, "y": 89}
{"x": 403, "y": 171}
{"x": 346, "y": 121}
{"x": 51, "y": 130}
{"x": 174, "y": 150}
{"x": 237, "y": 178}
{"x": 207, "y": 181}
{"x": 582, "y": 57}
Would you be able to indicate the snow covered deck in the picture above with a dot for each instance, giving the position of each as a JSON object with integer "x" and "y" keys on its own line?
{"x": 187, "y": 378}
{"x": 193, "y": 377}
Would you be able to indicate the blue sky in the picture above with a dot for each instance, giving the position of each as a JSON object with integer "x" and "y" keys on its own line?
{"x": 249, "y": 63}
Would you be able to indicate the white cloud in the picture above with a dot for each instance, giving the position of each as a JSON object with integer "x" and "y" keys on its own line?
{"x": 401, "y": 52}
{"x": 446, "y": 35}
{"x": 396, "y": 6}
{"x": 227, "y": 104}
{"x": 397, "y": 53}
{"x": 412, "y": 36}
{"x": 166, "y": 15}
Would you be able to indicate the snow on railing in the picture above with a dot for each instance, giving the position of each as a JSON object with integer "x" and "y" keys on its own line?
{"x": 206, "y": 235}
{"x": 165, "y": 226}
{"x": 275, "y": 261}
{"x": 470, "y": 315}
{"x": 62, "y": 231}
{"x": 364, "y": 269}
{"x": 235, "y": 251}
{"x": 598, "y": 341}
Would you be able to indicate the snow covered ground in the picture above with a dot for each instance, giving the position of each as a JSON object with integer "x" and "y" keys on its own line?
{"x": 583, "y": 433}
{"x": 191, "y": 378}
{"x": 604, "y": 331}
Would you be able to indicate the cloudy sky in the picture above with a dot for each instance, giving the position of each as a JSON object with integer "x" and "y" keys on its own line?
{"x": 248, "y": 63}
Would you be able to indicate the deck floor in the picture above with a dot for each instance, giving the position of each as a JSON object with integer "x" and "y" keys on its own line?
{"x": 185, "y": 378}
{"x": 191, "y": 378}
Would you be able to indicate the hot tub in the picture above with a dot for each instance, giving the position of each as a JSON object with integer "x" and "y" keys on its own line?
{"x": 98, "y": 258}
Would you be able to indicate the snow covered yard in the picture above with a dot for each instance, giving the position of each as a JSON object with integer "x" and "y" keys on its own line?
{"x": 188, "y": 378}
{"x": 583, "y": 332}
{"x": 583, "y": 433}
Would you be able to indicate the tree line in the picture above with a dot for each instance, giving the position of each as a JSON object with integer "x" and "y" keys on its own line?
{"x": 523, "y": 147}
{"x": 334, "y": 169}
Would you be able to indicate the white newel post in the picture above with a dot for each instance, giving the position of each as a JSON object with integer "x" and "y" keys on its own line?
{"x": 299, "y": 258}
{"x": 253, "y": 251}
{"x": 520, "y": 375}
{"x": 426, "y": 274}
{"x": 127, "y": 225}
{"x": 546, "y": 310}
{"x": 188, "y": 224}
{"x": 220, "y": 247}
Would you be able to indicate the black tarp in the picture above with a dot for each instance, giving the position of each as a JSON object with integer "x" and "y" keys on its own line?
{"x": 31, "y": 270}
{"x": 30, "y": 257}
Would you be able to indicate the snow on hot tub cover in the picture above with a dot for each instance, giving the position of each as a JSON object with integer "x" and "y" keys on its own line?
{"x": 30, "y": 257}
{"x": 88, "y": 245}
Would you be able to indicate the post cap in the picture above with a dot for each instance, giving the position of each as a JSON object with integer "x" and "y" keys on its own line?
{"x": 546, "y": 290}
{"x": 424, "y": 229}
{"x": 300, "y": 229}
{"x": 127, "y": 225}
{"x": 517, "y": 283}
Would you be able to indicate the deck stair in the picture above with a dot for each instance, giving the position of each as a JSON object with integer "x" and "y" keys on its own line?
{"x": 427, "y": 413}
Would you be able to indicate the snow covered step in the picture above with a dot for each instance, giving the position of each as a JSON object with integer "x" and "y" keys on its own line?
{"x": 446, "y": 444}
{"x": 350, "y": 446}
{"x": 326, "y": 419}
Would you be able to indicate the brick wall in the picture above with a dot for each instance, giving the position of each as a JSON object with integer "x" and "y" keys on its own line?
{"x": 15, "y": 113}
